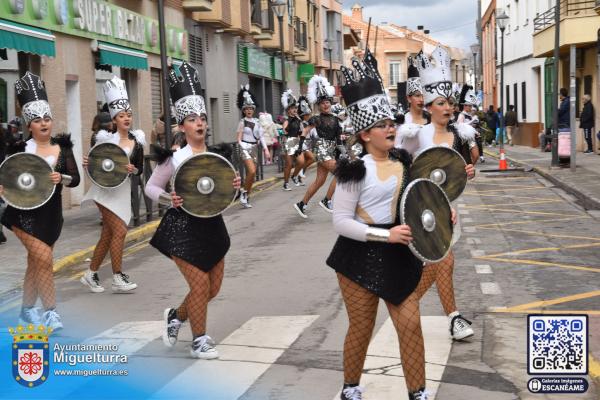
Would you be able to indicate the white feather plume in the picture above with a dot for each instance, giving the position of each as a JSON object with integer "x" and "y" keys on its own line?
{"x": 410, "y": 130}
{"x": 285, "y": 98}
{"x": 312, "y": 93}
{"x": 103, "y": 136}
{"x": 139, "y": 135}
{"x": 465, "y": 131}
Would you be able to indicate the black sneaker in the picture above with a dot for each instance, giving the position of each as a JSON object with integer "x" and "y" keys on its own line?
{"x": 301, "y": 209}
{"x": 296, "y": 180}
{"x": 326, "y": 205}
{"x": 352, "y": 393}
{"x": 172, "y": 325}
{"x": 286, "y": 187}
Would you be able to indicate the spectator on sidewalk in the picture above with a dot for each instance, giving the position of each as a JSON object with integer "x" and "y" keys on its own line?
{"x": 158, "y": 136}
{"x": 510, "y": 121}
{"x": 500, "y": 129}
{"x": 586, "y": 122}
{"x": 102, "y": 121}
{"x": 564, "y": 118}
{"x": 491, "y": 118}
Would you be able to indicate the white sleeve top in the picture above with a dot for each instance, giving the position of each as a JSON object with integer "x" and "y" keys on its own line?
{"x": 371, "y": 201}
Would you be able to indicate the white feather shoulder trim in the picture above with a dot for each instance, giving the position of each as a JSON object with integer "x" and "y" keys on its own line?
{"x": 465, "y": 131}
{"x": 410, "y": 130}
{"x": 103, "y": 136}
{"x": 139, "y": 135}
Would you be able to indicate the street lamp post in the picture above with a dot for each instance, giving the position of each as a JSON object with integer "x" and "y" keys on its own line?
{"x": 279, "y": 7}
{"x": 166, "y": 101}
{"x": 475, "y": 50}
{"x": 502, "y": 20}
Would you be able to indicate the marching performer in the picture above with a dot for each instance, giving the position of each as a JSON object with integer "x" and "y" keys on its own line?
{"x": 39, "y": 229}
{"x": 115, "y": 203}
{"x": 196, "y": 245}
{"x": 468, "y": 100}
{"x": 249, "y": 133}
{"x": 292, "y": 127}
{"x": 305, "y": 113}
{"x": 436, "y": 82}
{"x": 371, "y": 256}
{"x": 327, "y": 131}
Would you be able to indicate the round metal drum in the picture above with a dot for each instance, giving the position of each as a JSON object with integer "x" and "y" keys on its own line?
{"x": 205, "y": 183}
{"x": 26, "y": 181}
{"x": 426, "y": 209}
{"x": 107, "y": 165}
{"x": 444, "y": 166}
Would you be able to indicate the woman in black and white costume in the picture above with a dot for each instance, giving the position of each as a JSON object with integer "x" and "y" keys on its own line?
{"x": 371, "y": 256}
{"x": 416, "y": 113}
{"x": 292, "y": 128}
{"x": 468, "y": 100}
{"x": 196, "y": 245}
{"x": 325, "y": 130}
{"x": 115, "y": 203}
{"x": 437, "y": 90}
{"x": 40, "y": 228}
{"x": 249, "y": 134}
{"x": 305, "y": 114}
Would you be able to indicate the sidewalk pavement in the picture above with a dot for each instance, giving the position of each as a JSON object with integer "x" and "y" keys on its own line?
{"x": 584, "y": 183}
{"x": 80, "y": 233}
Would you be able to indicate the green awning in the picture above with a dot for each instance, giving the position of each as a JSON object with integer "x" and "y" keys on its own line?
{"x": 305, "y": 72}
{"x": 120, "y": 56}
{"x": 26, "y": 38}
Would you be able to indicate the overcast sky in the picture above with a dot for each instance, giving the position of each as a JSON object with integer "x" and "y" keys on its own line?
{"x": 451, "y": 22}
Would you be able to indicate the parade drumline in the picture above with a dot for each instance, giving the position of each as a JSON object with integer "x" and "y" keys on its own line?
{"x": 396, "y": 169}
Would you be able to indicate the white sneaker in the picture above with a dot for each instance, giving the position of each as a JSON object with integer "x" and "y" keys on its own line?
{"x": 30, "y": 315}
{"x": 203, "y": 347}
{"x": 481, "y": 159}
{"x": 120, "y": 283}
{"x": 460, "y": 327}
{"x": 172, "y": 325}
{"x": 52, "y": 320}
{"x": 352, "y": 393}
{"x": 301, "y": 173}
{"x": 419, "y": 395}
{"x": 244, "y": 201}
{"x": 91, "y": 280}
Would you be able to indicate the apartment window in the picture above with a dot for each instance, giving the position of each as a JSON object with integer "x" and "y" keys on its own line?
{"x": 291, "y": 12}
{"x": 524, "y": 100}
{"x": 394, "y": 73}
{"x": 507, "y": 99}
{"x": 516, "y": 94}
{"x": 587, "y": 84}
{"x": 195, "y": 49}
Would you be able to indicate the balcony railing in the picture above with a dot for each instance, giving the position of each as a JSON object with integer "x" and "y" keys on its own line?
{"x": 300, "y": 34}
{"x": 568, "y": 9}
{"x": 268, "y": 20}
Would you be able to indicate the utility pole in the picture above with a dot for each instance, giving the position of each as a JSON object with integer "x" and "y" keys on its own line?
{"x": 166, "y": 98}
{"x": 572, "y": 103}
{"x": 554, "y": 161}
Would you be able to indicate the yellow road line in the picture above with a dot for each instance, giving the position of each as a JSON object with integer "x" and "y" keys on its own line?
{"x": 539, "y": 263}
{"x": 593, "y": 367}
{"x": 499, "y": 224}
{"x": 510, "y": 196}
{"x": 486, "y": 208}
{"x": 559, "y": 300}
{"x": 502, "y": 184}
{"x": 519, "y": 204}
{"x": 542, "y": 311}
{"x": 534, "y": 233}
{"x": 511, "y": 190}
{"x": 544, "y": 249}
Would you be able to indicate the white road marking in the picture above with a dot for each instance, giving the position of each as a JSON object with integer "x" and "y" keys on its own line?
{"x": 466, "y": 220}
{"x": 490, "y": 288}
{"x": 477, "y": 253}
{"x": 469, "y": 229}
{"x": 384, "y": 378}
{"x": 463, "y": 212}
{"x": 483, "y": 269}
{"x": 244, "y": 356}
{"x": 129, "y": 336}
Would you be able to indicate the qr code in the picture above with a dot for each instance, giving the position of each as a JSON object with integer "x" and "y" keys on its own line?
{"x": 557, "y": 344}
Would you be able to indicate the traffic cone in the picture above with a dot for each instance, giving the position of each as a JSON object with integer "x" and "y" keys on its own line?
{"x": 503, "y": 166}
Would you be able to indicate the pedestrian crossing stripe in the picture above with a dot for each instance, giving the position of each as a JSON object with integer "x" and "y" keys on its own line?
{"x": 249, "y": 351}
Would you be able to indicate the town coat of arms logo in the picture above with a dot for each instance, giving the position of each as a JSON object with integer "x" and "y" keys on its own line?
{"x": 30, "y": 354}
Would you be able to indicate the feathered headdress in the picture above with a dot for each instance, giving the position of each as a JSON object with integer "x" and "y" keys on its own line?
{"x": 319, "y": 89}
{"x": 288, "y": 99}
{"x": 304, "y": 106}
{"x": 435, "y": 73}
{"x": 468, "y": 96}
{"x": 246, "y": 98}
{"x": 364, "y": 94}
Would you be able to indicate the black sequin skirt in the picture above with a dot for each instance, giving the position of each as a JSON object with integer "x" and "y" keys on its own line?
{"x": 44, "y": 223}
{"x": 202, "y": 242}
{"x": 388, "y": 270}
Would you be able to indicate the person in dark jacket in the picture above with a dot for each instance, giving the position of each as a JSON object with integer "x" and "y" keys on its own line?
{"x": 510, "y": 122}
{"x": 586, "y": 121}
{"x": 564, "y": 120}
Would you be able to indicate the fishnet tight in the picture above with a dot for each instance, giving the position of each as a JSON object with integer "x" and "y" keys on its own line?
{"x": 39, "y": 276}
{"x": 361, "y": 306}
{"x": 112, "y": 238}
{"x": 445, "y": 284}
{"x": 204, "y": 286}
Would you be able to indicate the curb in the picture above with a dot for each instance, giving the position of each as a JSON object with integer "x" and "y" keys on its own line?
{"x": 589, "y": 203}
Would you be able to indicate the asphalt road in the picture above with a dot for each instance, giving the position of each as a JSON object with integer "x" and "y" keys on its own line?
{"x": 279, "y": 320}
